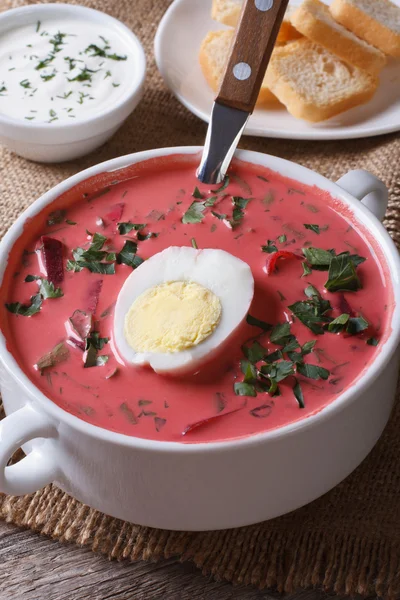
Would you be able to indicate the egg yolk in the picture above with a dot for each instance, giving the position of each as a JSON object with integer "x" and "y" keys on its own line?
{"x": 172, "y": 317}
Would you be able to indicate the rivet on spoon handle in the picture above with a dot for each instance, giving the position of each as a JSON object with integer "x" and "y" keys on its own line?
{"x": 251, "y": 50}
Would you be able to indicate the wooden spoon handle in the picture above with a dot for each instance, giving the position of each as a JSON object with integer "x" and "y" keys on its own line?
{"x": 251, "y": 50}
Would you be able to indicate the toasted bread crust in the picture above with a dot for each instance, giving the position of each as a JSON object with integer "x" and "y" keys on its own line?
{"x": 297, "y": 103}
{"x": 228, "y": 12}
{"x": 333, "y": 39}
{"x": 366, "y": 27}
{"x": 213, "y": 75}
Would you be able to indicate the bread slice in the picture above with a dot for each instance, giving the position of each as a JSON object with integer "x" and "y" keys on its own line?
{"x": 213, "y": 55}
{"x": 375, "y": 21}
{"x": 314, "y": 84}
{"x": 314, "y": 20}
{"x": 228, "y": 11}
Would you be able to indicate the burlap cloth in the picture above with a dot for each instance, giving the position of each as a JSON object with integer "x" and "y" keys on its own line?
{"x": 348, "y": 541}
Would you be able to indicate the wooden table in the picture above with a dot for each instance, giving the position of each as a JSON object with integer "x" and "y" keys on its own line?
{"x": 36, "y": 568}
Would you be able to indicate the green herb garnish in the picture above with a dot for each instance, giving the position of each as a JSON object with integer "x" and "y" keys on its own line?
{"x": 26, "y": 310}
{"x": 222, "y": 187}
{"x": 315, "y": 228}
{"x": 194, "y": 213}
{"x": 342, "y": 275}
{"x": 269, "y": 247}
{"x": 128, "y": 255}
{"x": 258, "y": 323}
{"x": 124, "y": 228}
{"x": 58, "y": 354}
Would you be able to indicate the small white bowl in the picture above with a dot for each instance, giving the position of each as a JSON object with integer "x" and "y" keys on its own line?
{"x": 46, "y": 142}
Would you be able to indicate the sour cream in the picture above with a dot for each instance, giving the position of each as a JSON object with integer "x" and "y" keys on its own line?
{"x": 62, "y": 70}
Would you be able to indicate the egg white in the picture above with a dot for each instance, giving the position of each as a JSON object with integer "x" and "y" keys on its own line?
{"x": 228, "y": 277}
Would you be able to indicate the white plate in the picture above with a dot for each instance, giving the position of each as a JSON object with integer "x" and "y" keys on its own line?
{"x": 177, "y": 44}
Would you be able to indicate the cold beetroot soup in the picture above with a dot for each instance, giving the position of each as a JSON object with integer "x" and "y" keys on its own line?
{"x": 321, "y": 307}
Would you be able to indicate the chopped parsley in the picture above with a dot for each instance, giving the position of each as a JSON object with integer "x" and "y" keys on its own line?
{"x": 263, "y": 372}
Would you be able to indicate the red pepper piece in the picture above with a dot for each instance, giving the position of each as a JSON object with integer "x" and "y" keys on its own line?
{"x": 115, "y": 214}
{"x": 52, "y": 253}
{"x": 272, "y": 259}
{"x": 93, "y": 295}
{"x": 203, "y": 422}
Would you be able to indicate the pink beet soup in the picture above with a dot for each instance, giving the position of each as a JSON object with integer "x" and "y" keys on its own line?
{"x": 321, "y": 308}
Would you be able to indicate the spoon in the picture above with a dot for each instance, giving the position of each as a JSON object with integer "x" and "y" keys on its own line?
{"x": 250, "y": 53}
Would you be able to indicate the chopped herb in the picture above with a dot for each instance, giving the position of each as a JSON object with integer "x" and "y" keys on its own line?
{"x": 128, "y": 413}
{"x": 356, "y": 325}
{"x": 313, "y": 371}
{"x": 58, "y": 354}
{"x": 281, "y": 296}
{"x": 124, "y": 228}
{"x": 159, "y": 423}
{"x": 194, "y": 243}
{"x": 194, "y": 213}
{"x": 280, "y": 333}
{"x": 101, "y": 360}
{"x": 342, "y": 275}
{"x": 220, "y": 401}
{"x": 26, "y": 310}
{"x": 295, "y": 191}
{"x": 144, "y": 402}
{"x": 261, "y": 412}
{"x": 258, "y": 323}
{"x": 47, "y": 290}
{"x": 197, "y": 194}
{"x": 84, "y": 75}
{"x": 48, "y": 77}
{"x": 263, "y": 178}
{"x": 311, "y": 207}
{"x": 338, "y": 324}
{"x": 38, "y": 26}
{"x": 94, "y": 50}
{"x": 25, "y": 83}
{"x": 128, "y": 255}
{"x": 244, "y": 389}
{"x": 239, "y": 204}
{"x": 298, "y": 393}
{"x": 308, "y": 347}
{"x": 69, "y": 222}
{"x": 282, "y": 238}
{"x": 306, "y": 269}
{"x": 142, "y": 237}
{"x": 222, "y": 187}
{"x": 318, "y": 258}
{"x": 255, "y": 352}
{"x": 268, "y": 198}
{"x": 219, "y": 216}
{"x": 45, "y": 62}
{"x": 314, "y": 228}
{"x": 56, "y": 217}
{"x": 269, "y": 247}
{"x": 312, "y": 312}
{"x": 372, "y": 341}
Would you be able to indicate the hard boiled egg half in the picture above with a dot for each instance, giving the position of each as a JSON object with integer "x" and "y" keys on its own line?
{"x": 179, "y": 307}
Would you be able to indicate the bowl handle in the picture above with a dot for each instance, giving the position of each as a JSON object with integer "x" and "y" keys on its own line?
{"x": 369, "y": 189}
{"x": 39, "y": 467}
